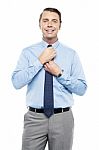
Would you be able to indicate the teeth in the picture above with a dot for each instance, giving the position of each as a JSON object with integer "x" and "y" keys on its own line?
{"x": 49, "y": 31}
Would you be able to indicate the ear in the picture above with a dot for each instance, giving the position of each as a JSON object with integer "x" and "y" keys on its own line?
{"x": 59, "y": 26}
{"x": 40, "y": 25}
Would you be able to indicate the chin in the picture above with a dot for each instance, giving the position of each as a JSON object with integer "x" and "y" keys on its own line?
{"x": 50, "y": 37}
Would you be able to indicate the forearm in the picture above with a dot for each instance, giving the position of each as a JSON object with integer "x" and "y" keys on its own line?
{"x": 22, "y": 77}
{"x": 77, "y": 86}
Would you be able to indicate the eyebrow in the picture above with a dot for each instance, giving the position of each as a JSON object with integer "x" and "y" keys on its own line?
{"x": 45, "y": 19}
{"x": 48, "y": 19}
{"x": 55, "y": 19}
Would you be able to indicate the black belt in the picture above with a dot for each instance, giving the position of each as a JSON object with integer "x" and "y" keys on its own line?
{"x": 56, "y": 110}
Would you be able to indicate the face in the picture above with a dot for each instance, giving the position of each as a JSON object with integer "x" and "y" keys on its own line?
{"x": 50, "y": 25}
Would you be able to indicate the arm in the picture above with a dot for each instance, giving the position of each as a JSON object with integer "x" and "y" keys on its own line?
{"x": 75, "y": 81}
{"x": 25, "y": 70}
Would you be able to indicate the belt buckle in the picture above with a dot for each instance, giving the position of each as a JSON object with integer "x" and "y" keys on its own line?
{"x": 35, "y": 110}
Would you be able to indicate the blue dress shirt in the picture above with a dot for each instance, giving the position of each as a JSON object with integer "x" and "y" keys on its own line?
{"x": 29, "y": 71}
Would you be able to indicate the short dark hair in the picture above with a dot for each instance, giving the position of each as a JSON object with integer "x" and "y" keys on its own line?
{"x": 51, "y": 10}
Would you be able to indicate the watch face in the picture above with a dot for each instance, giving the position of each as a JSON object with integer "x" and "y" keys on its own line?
{"x": 59, "y": 75}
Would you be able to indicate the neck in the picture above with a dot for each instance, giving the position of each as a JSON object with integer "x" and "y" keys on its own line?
{"x": 50, "y": 41}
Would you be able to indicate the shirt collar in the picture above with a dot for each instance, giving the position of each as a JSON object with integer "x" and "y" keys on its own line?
{"x": 54, "y": 45}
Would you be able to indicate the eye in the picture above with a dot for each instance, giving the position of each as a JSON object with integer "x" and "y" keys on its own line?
{"x": 55, "y": 21}
{"x": 45, "y": 20}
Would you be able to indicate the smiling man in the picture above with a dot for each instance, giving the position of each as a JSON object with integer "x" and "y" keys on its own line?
{"x": 50, "y": 23}
{"x": 52, "y": 73}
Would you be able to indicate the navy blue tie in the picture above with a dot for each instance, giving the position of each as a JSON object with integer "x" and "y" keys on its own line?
{"x": 48, "y": 94}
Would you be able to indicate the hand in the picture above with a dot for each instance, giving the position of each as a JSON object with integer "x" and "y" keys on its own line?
{"x": 53, "y": 68}
{"x": 47, "y": 55}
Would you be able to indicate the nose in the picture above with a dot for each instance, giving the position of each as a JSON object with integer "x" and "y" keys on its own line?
{"x": 50, "y": 24}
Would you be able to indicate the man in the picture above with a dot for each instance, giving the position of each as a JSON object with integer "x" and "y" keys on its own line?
{"x": 52, "y": 73}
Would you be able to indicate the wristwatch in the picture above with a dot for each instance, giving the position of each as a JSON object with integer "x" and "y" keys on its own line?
{"x": 60, "y": 74}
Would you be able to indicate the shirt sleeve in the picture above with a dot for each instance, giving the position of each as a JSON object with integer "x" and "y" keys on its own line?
{"x": 26, "y": 69}
{"x": 75, "y": 80}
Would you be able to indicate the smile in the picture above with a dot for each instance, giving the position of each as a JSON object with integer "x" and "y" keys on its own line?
{"x": 49, "y": 31}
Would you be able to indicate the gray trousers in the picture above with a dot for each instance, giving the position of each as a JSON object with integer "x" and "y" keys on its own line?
{"x": 57, "y": 130}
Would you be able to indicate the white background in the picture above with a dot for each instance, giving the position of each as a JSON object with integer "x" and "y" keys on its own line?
{"x": 80, "y": 30}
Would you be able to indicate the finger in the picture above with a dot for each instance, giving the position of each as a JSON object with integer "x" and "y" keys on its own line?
{"x": 47, "y": 65}
{"x": 46, "y": 69}
{"x": 51, "y": 62}
{"x": 55, "y": 53}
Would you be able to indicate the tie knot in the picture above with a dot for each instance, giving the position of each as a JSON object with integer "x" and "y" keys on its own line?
{"x": 49, "y": 45}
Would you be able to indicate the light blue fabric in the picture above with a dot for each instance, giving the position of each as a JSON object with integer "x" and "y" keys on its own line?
{"x": 29, "y": 71}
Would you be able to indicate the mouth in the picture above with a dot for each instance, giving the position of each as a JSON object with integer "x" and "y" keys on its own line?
{"x": 49, "y": 31}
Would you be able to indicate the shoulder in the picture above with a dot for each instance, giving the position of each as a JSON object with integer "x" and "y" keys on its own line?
{"x": 32, "y": 50}
{"x": 67, "y": 49}
{"x": 32, "y": 46}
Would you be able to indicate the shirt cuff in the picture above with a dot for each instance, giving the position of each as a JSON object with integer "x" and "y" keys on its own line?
{"x": 63, "y": 79}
